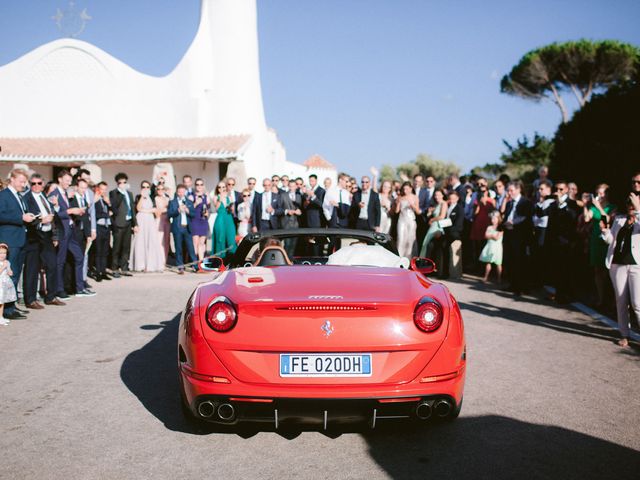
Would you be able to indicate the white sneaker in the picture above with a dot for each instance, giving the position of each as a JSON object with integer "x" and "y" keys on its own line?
{"x": 4, "y": 321}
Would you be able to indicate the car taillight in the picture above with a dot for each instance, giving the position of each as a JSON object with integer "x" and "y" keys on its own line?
{"x": 221, "y": 314}
{"x": 428, "y": 315}
{"x": 188, "y": 311}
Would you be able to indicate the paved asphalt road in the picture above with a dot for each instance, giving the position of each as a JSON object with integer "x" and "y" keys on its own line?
{"x": 89, "y": 391}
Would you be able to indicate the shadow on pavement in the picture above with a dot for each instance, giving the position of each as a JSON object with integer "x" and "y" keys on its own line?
{"x": 151, "y": 374}
{"x": 471, "y": 447}
{"x": 498, "y": 447}
{"x": 494, "y": 289}
{"x": 522, "y": 316}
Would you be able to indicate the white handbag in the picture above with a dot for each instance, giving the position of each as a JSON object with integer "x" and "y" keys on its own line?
{"x": 444, "y": 223}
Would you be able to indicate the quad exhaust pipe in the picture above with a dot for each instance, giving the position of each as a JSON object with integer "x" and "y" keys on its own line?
{"x": 428, "y": 408}
{"x": 206, "y": 409}
{"x": 423, "y": 410}
{"x": 226, "y": 412}
{"x": 442, "y": 408}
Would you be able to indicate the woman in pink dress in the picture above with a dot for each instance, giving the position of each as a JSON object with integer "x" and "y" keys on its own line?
{"x": 146, "y": 251}
{"x": 164, "y": 227}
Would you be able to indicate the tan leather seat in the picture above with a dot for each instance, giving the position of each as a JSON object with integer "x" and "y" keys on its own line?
{"x": 273, "y": 256}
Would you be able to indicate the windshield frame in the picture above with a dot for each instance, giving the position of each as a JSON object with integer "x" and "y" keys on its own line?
{"x": 238, "y": 259}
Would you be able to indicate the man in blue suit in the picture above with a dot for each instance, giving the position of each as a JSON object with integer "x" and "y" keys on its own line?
{"x": 13, "y": 218}
{"x": 312, "y": 202}
{"x": 425, "y": 195}
{"x": 40, "y": 251}
{"x": 67, "y": 238}
{"x": 266, "y": 208}
{"x": 181, "y": 211}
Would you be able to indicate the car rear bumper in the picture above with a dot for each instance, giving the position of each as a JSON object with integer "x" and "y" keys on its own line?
{"x": 322, "y": 406}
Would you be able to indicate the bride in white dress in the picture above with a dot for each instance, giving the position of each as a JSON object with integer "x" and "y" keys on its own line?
{"x": 407, "y": 207}
{"x": 385, "y": 206}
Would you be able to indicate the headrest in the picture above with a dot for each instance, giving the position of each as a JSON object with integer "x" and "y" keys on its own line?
{"x": 273, "y": 256}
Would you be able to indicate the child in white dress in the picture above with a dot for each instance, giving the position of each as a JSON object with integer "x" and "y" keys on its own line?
{"x": 492, "y": 252}
{"x": 7, "y": 289}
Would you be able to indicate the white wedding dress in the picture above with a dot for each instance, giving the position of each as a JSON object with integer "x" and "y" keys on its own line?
{"x": 406, "y": 230}
{"x": 385, "y": 218}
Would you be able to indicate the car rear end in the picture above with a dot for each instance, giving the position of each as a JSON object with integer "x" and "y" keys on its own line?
{"x": 322, "y": 345}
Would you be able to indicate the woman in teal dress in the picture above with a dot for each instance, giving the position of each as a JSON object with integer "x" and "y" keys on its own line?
{"x": 492, "y": 252}
{"x": 600, "y": 209}
{"x": 435, "y": 213}
{"x": 224, "y": 228}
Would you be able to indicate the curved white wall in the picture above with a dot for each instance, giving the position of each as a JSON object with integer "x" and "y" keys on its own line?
{"x": 70, "y": 88}
{"x": 222, "y": 68}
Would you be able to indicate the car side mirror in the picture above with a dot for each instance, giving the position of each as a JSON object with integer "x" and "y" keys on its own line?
{"x": 425, "y": 266}
{"x": 212, "y": 264}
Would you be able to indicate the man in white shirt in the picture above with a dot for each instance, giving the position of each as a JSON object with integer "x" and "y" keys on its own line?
{"x": 124, "y": 224}
{"x": 251, "y": 186}
{"x": 365, "y": 208}
{"x": 285, "y": 183}
{"x": 266, "y": 208}
{"x": 89, "y": 198}
{"x": 517, "y": 236}
{"x": 337, "y": 201}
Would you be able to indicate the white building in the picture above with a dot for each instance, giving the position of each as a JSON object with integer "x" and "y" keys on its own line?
{"x": 69, "y": 103}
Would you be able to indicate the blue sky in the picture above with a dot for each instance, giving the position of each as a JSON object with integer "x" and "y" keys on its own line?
{"x": 361, "y": 82}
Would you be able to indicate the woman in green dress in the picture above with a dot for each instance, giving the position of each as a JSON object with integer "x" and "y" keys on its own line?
{"x": 435, "y": 213}
{"x": 224, "y": 228}
{"x": 599, "y": 210}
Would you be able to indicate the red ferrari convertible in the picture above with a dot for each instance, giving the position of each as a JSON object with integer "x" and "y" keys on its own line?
{"x": 320, "y": 326}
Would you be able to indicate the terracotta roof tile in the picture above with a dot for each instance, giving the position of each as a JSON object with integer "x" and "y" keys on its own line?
{"x": 316, "y": 161}
{"x": 103, "y": 148}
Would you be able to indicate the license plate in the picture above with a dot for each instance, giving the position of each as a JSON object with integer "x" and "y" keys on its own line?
{"x": 325, "y": 365}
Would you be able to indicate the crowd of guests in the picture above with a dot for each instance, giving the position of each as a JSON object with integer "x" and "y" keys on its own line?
{"x": 69, "y": 230}
{"x": 544, "y": 234}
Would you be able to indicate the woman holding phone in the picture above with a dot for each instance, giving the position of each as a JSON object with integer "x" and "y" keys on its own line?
{"x": 599, "y": 210}
{"x": 224, "y": 228}
{"x": 623, "y": 262}
{"x": 200, "y": 222}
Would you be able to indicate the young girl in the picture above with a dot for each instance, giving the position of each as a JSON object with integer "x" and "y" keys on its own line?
{"x": 7, "y": 289}
{"x": 492, "y": 251}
